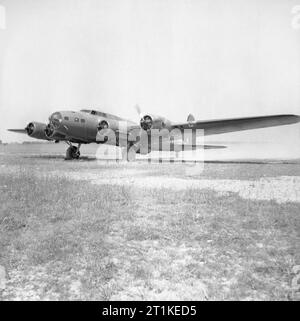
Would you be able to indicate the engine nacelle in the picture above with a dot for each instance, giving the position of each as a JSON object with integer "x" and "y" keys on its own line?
{"x": 106, "y": 131}
{"x": 149, "y": 122}
{"x": 36, "y": 130}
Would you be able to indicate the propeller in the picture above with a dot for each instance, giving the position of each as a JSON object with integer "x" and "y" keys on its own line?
{"x": 138, "y": 110}
{"x": 29, "y": 129}
{"x": 49, "y": 130}
{"x": 146, "y": 121}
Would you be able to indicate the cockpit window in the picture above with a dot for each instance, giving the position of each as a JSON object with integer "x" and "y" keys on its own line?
{"x": 93, "y": 112}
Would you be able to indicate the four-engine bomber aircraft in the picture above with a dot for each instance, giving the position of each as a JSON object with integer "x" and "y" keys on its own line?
{"x": 91, "y": 126}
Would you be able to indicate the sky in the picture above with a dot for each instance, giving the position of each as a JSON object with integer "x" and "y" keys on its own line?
{"x": 214, "y": 59}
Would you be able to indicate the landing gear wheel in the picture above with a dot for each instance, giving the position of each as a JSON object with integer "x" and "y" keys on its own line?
{"x": 72, "y": 153}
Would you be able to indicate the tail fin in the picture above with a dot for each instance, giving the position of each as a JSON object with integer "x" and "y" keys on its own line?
{"x": 190, "y": 118}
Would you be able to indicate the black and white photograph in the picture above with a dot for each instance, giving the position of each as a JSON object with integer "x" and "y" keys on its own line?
{"x": 149, "y": 151}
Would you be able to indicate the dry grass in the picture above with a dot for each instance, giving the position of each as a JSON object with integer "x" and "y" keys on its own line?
{"x": 66, "y": 239}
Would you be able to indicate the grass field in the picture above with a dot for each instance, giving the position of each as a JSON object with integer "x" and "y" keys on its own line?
{"x": 68, "y": 231}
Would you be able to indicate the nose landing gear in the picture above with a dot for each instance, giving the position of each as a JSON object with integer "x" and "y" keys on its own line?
{"x": 72, "y": 152}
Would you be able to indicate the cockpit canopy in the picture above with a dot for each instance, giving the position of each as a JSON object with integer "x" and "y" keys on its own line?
{"x": 101, "y": 114}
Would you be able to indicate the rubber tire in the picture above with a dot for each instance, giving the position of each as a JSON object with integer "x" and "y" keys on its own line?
{"x": 72, "y": 153}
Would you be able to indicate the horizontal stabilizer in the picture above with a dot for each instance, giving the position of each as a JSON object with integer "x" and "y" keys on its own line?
{"x": 183, "y": 147}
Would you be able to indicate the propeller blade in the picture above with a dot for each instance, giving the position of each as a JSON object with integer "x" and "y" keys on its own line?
{"x": 138, "y": 109}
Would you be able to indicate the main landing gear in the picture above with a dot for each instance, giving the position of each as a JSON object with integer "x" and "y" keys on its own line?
{"x": 72, "y": 151}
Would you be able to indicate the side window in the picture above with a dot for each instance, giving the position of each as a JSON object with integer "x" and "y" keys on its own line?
{"x": 66, "y": 118}
{"x": 82, "y": 120}
{"x": 76, "y": 119}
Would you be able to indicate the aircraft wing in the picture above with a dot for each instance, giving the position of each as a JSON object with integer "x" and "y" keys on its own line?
{"x": 20, "y": 131}
{"x": 220, "y": 126}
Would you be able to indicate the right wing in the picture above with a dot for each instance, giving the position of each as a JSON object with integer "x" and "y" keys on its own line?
{"x": 221, "y": 126}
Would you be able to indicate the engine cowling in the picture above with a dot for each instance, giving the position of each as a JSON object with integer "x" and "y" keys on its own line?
{"x": 36, "y": 130}
{"x": 106, "y": 131}
{"x": 149, "y": 122}
{"x": 108, "y": 123}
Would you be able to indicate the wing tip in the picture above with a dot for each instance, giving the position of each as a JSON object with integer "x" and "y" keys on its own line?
{"x": 16, "y": 130}
{"x": 295, "y": 117}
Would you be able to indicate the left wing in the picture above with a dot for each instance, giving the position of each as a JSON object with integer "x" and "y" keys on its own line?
{"x": 20, "y": 131}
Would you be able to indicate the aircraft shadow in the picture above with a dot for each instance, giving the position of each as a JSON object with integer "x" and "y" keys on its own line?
{"x": 82, "y": 158}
